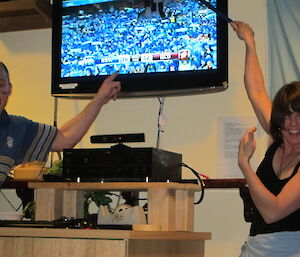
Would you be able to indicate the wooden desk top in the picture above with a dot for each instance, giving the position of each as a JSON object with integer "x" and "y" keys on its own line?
{"x": 140, "y": 186}
{"x": 101, "y": 234}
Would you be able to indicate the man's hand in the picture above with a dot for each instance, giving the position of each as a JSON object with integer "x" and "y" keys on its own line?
{"x": 109, "y": 88}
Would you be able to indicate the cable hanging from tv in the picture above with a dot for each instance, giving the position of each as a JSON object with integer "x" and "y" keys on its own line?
{"x": 161, "y": 120}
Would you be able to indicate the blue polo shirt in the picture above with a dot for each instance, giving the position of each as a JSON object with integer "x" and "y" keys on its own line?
{"x": 22, "y": 140}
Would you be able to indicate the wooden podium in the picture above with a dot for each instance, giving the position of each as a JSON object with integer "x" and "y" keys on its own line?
{"x": 170, "y": 205}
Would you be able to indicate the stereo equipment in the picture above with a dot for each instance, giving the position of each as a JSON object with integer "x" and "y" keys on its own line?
{"x": 121, "y": 163}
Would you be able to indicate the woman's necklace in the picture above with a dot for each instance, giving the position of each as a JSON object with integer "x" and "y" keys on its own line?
{"x": 283, "y": 167}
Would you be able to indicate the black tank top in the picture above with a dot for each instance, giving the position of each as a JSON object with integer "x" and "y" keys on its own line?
{"x": 268, "y": 177}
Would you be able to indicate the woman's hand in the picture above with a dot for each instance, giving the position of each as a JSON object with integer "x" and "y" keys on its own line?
{"x": 243, "y": 31}
{"x": 247, "y": 147}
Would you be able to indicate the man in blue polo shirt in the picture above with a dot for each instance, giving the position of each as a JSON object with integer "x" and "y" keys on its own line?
{"x": 22, "y": 140}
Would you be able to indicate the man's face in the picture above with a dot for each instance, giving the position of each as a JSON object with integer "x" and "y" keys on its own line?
{"x": 5, "y": 90}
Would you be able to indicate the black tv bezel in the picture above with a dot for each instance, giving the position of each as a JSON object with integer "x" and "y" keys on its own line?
{"x": 153, "y": 84}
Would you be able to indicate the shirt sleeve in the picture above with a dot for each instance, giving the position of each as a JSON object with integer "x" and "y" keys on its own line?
{"x": 40, "y": 146}
{"x": 30, "y": 141}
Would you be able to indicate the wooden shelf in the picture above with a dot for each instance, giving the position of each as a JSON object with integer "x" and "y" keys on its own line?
{"x": 57, "y": 199}
{"x": 103, "y": 234}
{"x": 16, "y": 15}
{"x": 128, "y": 186}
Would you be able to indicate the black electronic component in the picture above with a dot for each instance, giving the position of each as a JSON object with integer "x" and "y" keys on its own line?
{"x": 122, "y": 163}
{"x": 118, "y": 138}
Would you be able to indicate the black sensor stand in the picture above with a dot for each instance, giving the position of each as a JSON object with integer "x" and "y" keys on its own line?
{"x": 118, "y": 138}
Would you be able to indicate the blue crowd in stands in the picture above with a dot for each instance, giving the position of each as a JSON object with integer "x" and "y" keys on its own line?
{"x": 99, "y": 39}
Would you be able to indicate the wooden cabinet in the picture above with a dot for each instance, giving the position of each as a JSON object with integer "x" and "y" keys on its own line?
{"x": 41, "y": 242}
{"x": 169, "y": 205}
{"x": 18, "y": 15}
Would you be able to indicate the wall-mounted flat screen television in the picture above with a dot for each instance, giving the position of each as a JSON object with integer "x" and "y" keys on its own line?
{"x": 159, "y": 47}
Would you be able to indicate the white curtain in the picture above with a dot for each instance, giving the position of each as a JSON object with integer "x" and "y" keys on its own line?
{"x": 284, "y": 42}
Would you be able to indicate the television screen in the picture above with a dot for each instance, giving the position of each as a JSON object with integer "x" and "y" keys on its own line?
{"x": 159, "y": 47}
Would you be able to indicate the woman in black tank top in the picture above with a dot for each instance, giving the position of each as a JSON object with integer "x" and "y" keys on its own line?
{"x": 275, "y": 187}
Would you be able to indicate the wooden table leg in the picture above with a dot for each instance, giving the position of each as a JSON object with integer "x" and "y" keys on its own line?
{"x": 161, "y": 208}
{"x": 73, "y": 204}
{"x": 48, "y": 204}
{"x": 184, "y": 209}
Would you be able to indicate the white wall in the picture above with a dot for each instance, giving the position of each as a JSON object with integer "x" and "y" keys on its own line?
{"x": 192, "y": 121}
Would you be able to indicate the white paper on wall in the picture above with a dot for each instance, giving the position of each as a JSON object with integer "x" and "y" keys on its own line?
{"x": 231, "y": 130}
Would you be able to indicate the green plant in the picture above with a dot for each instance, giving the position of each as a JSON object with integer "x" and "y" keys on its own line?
{"x": 98, "y": 197}
{"x": 29, "y": 210}
{"x": 56, "y": 168}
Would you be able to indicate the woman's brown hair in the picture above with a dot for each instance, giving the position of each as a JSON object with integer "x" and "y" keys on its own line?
{"x": 286, "y": 101}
